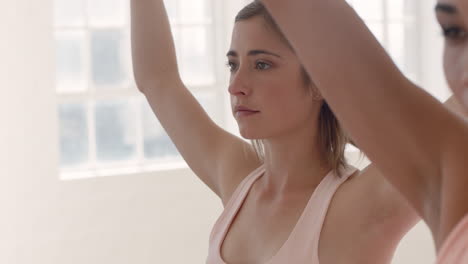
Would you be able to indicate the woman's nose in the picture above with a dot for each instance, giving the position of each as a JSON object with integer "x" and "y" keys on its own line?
{"x": 239, "y": 84}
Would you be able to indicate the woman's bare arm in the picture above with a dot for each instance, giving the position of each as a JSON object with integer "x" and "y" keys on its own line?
{"x": 219, "y": 158}
{"x": 153, "y": 50}
{"x": 406, "y": 132}
{"x": 386, "y": 199}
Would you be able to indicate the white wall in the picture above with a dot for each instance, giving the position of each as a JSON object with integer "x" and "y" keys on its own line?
{"x": 152, "y": 218}
{"x": 27, "y": 162}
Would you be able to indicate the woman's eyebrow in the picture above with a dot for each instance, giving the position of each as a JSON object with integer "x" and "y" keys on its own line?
{"x": 257, "y": 52}
{"x": 446, "y": 8}
{"x": 233, "y": 53}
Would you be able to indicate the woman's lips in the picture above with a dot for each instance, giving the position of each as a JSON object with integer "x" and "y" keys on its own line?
{"x": 246, "y": 112}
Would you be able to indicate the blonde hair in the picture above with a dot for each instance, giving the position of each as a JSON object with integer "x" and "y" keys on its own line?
{"x": 331, "y": 137}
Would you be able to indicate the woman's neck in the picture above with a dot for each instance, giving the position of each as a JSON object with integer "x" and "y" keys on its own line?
{"x": 294, "y": 163}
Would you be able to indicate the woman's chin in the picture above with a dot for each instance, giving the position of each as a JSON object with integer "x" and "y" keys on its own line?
{"x": 249, "y": 135}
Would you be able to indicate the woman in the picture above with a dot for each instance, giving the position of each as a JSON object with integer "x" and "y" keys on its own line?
{"x": 428, "y": 142}
{"x": 299, "y": 190}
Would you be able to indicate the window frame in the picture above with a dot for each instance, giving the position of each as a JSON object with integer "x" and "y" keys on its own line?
{"x": 139, "y": 164}
{"x": 386, "y": 22}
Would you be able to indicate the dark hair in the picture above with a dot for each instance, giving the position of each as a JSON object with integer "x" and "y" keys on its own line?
{"x": 332, "y": 137}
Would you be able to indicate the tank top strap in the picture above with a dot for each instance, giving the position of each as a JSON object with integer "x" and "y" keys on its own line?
{"x": 303, "y": 242}
{"x": 223, "y": 223}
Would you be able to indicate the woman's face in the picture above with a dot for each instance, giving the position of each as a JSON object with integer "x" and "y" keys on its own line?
{"x": 453, "y": 18}
{"x": 269, "y": 97}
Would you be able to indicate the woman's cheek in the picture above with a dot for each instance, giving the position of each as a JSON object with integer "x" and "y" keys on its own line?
{"x": 455, "y": 72}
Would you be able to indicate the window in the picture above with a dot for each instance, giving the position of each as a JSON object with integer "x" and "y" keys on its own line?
{"x": 393, "y": 22}
{"x": 106, "y": 125}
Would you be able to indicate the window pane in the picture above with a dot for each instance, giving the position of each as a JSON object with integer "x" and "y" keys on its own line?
{"x": 402, "y": 9}
{"x": 70, "y": 68}
{"x": 369, "y": 9}
{"x": 69, "y": 12}
{"x": 196, "y": 57}
{"x": 115, "y": 130}
{"x": 396, "y": 45}
{"x": 396, "y": 9}
{"x": 108, "y": 58}
{"x": 107, "y": 12}
{"x": 171, "y": 9}
{"x": 73, "y": 134}
{"x": 157, "y": 143}
{"x": 194, "y": 11}
{"x": 412, "y": 49}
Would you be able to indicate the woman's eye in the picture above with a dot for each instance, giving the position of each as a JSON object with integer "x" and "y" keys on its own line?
{"x": 454, "y": 33}
{"x": 262, "y": 65}
{"x": 231, "y": 65}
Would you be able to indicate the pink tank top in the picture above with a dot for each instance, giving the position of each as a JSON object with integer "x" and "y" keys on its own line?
{"x": 302, "y": 244}
{"x": 455, "y": 248}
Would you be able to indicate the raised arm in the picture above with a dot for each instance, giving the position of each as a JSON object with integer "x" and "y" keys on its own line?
{"x": 407, "y": 133}
{"x": 153, "y": 51}
{"x": 220, "y": 159}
